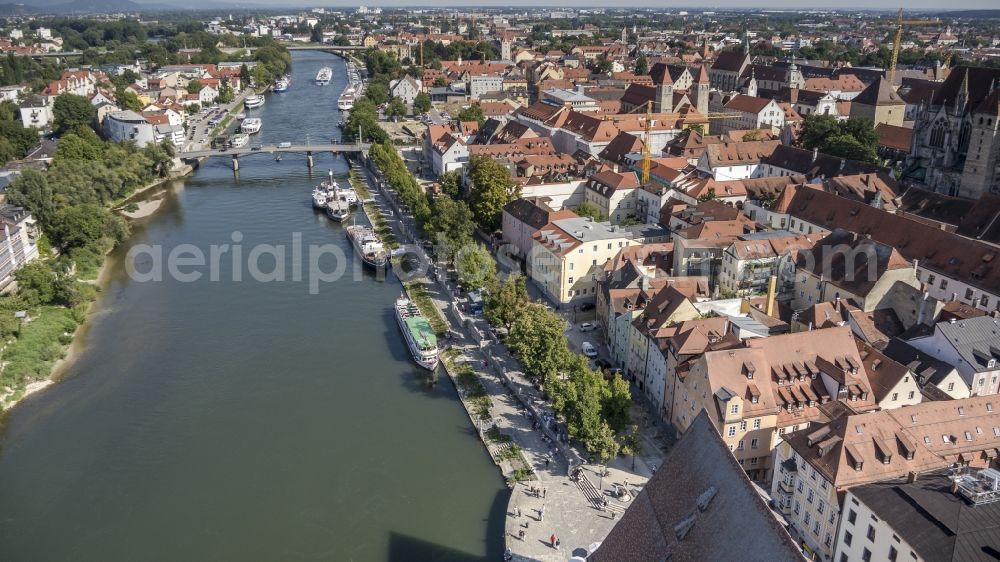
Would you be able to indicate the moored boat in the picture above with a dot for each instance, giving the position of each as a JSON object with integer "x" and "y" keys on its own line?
{"x": 338, "y": 209}
{"x": 253, "y": 102}
{"x": 319, "y": 198}
{"x": 417, "y": 331}
{"x": 239, "y": 140}
{"x": 251, "y": 125}
{"x": 368, "y": 246}
{"x": 281, "y": 85}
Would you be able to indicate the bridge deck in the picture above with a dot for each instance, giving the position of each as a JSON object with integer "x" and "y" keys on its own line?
{"x": 273, "y": 148}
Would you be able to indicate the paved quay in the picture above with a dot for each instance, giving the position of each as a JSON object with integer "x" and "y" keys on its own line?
{"x": 552, "y": 503}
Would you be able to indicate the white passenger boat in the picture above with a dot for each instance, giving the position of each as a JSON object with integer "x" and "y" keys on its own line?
{"x": 239, "y": 140}
{"x": 338, "y": 209}
{"x": 368, "y": 246}
{"x": 253, "y": 102}
{"x": 417, "y": 331}
{"x": 346, "y": 100}
{"x": 320, "y": 197}
{"x": 251, "y": 125}
{"x": 323, "y": 76}
{"x": 281, "y": 85}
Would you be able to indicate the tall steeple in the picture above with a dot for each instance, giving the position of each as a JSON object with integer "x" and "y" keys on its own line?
{"x": 625, "y": 35}
{"x": 963, "y": 94}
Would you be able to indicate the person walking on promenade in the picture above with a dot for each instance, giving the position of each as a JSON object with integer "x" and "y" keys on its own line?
{"x": 552, "y": 540}
{"x": 517, "y": 511}
{"x": 543, "y": 492}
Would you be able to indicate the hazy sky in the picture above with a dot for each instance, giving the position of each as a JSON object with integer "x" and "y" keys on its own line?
{"x": 939, "y": 5}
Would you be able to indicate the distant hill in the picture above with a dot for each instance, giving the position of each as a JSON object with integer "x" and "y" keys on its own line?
{"x": 17, "y": 10}
{"x": 977, "y": 14}
{"x": 91, "y": 6}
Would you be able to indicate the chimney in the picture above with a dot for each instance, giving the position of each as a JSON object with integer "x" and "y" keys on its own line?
{"x": 911, "y": 477}
{"x": 772, "y": 283}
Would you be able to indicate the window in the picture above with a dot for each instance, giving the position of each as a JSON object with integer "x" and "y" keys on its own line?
{"x": 807, "y": 519}
{"x": 735, "y": 409}
{"x": 909, "y": 395}
{"x": 743, "y": 425}
{"x": 848, "y": 537}
{"x": 866, "y": 556}
{"x": 944, "y": 284}
{"x": 930, "y": 279}
{"x": 571, "y": 264}
{"x": 829, "y": 539}
{"x": 753, "y": 443}
{"x": 871, "y": 533}
{"x": 570, "y": 281}
{"x": 951, "y": 386}
{"x": 756, "y": 423}
{"x": 740, "y": 445}
{"x": 843, "y": 557}
{"x": 809, "y": 496}
{"x": 968, "y": 294}
{"x": 895, "y": 396}
{"x": 852, "y": 516}
{"x": 732, "y": 431}
{"x": 893, "y": 553}
{"x": 821, "y": 506}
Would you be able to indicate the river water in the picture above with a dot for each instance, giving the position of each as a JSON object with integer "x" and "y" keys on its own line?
{"x": 224, "y": 420}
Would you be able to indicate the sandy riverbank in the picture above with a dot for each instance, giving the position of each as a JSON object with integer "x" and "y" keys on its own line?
{"x": 11, "y": 397}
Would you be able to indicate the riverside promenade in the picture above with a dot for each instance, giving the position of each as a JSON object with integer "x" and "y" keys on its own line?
{"x": 551, "y": 503}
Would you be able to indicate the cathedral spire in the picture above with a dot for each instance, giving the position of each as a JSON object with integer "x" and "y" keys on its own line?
{"x": 963, "y": 94}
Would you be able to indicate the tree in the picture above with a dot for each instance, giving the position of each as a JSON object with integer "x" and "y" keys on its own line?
{"x": 194, "y": 86}
{"x": 475, "y": 266}
{"x": 378, "y": 93}
{"x": 846, "y": 146}
{"x": 72, "y": 111}
{"x": 539, "y": 341}
{"x": 641, "y": 65}
{"x": 472, "y": 113}
{"x": 587, "y": 209}
{"x": 816, "y": 129}
{"x": 615, "y": 407}
{"x": 504, "y": 306}
{"x": 74, "y": 147}
{"x": 422, "y": 103}
{"x": 492, "y": 188}
{"x": 450, "y": 184}
{"x": 451, "y": 222}
{"x": 397, "y": 108}
{"x": 602, "y": 444}
{"x": 128, "y": 100}
{"x": 79, "y": 226}
{"x": 440, "y": 82}
{"x": 631, "y": 443}
{"x": 244, "y": 75}
{"x": 36, "y": 282}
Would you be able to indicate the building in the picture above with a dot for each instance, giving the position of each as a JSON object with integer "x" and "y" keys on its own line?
{"x": 568, "y": 254}
{"x": 893, "y": 384}
{"x": 956, "y": 139}
{"x": 129, "y": 126}
{"x": 735, "y": 160}
{"x": 724, "y": 75}
{"x": 18, "y": 241}
{"x": 972, "y": 345}
{"x": 818, "y": 465}
{"x": 698, "y": 506}
{"x": 759, "y": 390}
{"x": 406, "y": 89}
{"x": 879, "y": 103}
{"x": 525, "y": 216}
{"x": 941, "y": 516}
{"x": 750, "y": 112}
{"x": 36, "y": 112}
{"x": 750, "y": 261}
{"x": 614, "y": 194}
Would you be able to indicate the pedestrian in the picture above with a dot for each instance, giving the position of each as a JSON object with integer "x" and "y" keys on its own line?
{"x": 558, "y": 542}
{"x": 546, "y": 463}
{"x": 614, "y": 515}
{"x": 552, "y": 540}
{"x": 517, "y": 512}
{"x": 520, "y": 534}
{"x": 543, "y": 492}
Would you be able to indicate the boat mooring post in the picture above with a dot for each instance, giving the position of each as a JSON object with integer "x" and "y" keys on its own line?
{"x": 309, "y": 158}
{"x": 236, "y": 163}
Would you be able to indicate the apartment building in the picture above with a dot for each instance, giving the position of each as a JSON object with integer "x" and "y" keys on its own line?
{"x": 972, "y": 345}
{"x": 817, "y": 466}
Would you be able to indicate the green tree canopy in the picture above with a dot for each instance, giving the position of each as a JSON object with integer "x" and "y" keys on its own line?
{"x": 397, "y": 108}
{"x": 422, "y": 103}
{"x": 475, "y": 266}
{"x": 472, "y": 113}
{"x": 71, "y": 111}
{"x": 492, "y": 188}
{"x": 587, "y": 209}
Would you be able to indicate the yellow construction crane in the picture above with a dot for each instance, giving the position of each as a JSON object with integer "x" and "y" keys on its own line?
{"x": 900, "y": 22}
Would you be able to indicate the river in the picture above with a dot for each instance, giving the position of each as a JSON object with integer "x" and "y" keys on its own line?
{"x": 225, "y": 420}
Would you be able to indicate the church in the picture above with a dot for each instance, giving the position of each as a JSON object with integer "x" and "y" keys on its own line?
{"x": 956, "y": 143}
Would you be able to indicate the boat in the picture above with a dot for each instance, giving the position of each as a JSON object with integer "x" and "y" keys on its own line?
{"x": 323, "y": 76}
{"x": 368, "y": 246}
{"x": 319, "y": 198}
{"x": 254, "y": 101}
{"x": 281, "y": 85}
{"x": 346, "y": 100}
{"x": 251, "y": 125}
{"x": 417, "y": 331}
{"x": 338, "y": 209}
{"x": 239, "y": 140}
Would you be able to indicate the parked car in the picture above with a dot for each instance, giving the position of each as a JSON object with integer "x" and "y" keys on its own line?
{"x": 587, "y": 327}
{"x": 586, "y": 306}
{"x": 284, "y": 145}
{"x": 588, "y": 349}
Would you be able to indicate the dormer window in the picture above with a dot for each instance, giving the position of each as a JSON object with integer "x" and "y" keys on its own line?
{"x": 858, "y": 465}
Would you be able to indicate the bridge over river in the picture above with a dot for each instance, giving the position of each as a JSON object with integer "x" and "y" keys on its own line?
{"x": 276, "y": 150}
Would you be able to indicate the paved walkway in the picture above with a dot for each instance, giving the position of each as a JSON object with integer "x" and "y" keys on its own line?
{"x": 571, "y": 509}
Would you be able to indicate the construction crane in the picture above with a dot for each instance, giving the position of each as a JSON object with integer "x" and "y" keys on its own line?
{"x": 900, "y": 22}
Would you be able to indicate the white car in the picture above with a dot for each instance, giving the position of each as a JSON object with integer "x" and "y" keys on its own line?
{"x": 589, "y": 350}
{"x": 587, "y": 327}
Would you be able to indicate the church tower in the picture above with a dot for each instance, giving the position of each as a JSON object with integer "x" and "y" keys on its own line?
{"x": 700, "y": 90}
{"x": 505, "y": 50}
{"x": 625, "y": 35}
{"x": 979, "y": 174}
{"x": 664, "y": 102}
